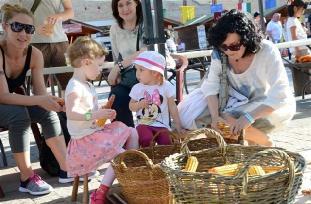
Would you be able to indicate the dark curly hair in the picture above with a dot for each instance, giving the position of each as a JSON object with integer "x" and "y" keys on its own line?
{"x": 115, "y": 12}
{"x": 235, "y": 22}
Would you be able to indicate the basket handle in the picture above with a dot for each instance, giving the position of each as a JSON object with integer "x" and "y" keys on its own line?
{"x": 209, "y": 133}
{"x": 243, "y": 172}
{"x": 171, "y": 136}
{"x": 122, "y": 156}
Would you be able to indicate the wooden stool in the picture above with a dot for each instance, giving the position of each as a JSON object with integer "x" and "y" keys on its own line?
{"x": 74, "y": 194}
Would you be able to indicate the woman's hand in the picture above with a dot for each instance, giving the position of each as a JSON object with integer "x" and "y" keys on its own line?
{"x": 52, "y": 19}
{"x": 215, "y": 121}
{"x": 240, "y": 124}
{"x": 181, "y": 130}
{"x": 50, "y": 103}
{"x": 105, "y": 113}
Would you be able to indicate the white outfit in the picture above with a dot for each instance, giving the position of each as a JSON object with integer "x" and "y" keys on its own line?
{"x": 89, "y": 102}
{"x": 300, "y": 32}
{"x": 264, "y": 83}
{"x": 276, "y": 30}
{"x": 157, "y": 114}
{"x": 124, "y": 41}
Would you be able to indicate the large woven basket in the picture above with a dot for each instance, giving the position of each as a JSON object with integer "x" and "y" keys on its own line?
{"x": 196, "y": 142}
{"x": 144, "y": 184}
{"x": 203, "y": 187}
{"x": 207, "y": 138}
{"x": 155, "y": 152}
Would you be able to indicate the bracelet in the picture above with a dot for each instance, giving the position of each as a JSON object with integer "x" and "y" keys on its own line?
{"x": 121, "y": 67}
{"x": 88, "y": 115}
{"x": 250, "y": 118}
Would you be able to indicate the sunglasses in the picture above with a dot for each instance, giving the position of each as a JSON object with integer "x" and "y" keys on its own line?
{"x": 19, "y": 27}
{"x": 235, "y": 47}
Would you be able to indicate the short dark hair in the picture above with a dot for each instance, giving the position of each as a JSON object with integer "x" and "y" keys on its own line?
{"x": 235, "y": 22}
{"x": 256, "y": 14}
{"x": 115, "y": 12}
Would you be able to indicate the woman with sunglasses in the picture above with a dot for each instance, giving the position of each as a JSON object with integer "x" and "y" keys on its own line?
{"x": 17, "y": 112}
{"x": 259, "y": 94}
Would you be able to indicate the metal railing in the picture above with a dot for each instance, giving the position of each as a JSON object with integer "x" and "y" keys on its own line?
{"x": 189, "y": 55}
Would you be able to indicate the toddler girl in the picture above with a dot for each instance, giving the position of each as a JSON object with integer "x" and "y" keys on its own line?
{"x": 91, "y": 146}
{"x": 153, "y": 99}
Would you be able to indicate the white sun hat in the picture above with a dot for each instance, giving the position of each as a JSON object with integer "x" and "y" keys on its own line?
{"x": 151, "y": 60}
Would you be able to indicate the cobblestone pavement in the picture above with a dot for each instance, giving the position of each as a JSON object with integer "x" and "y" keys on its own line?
{"x": 295, "y": 137}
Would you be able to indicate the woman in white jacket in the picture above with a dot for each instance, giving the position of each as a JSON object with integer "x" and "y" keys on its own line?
{"x": 259, "y": 95}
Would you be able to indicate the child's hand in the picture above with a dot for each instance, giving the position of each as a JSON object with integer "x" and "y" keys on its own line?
{"x": 105, "y": 113}
{"x": 143, "y": 104}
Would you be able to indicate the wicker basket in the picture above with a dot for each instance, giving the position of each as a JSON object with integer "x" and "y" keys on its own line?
{"x": 158, "y": 152}
{"x": 202, "y": 187}
{"x": 155, "y": 152}
{"x": 144, "y": 184}
{"x": 210, "y": 140}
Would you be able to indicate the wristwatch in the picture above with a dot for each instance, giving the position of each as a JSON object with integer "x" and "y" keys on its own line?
{"x": 88, "y": 115}
{"x": 121, "y": 67}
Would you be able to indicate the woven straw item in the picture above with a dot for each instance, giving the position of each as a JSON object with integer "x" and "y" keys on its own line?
{"x": 155, "y": 152}
{"x": 203, "y": 187}
{"x": 206, "y": 139}
{"x": 144, "y": 184}
{"x": 210, "y": 140}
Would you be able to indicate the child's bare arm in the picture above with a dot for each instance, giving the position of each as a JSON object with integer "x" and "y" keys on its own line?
{"x": 174, "y": 113}
{"x": 74, "y": 113}
{"x": 137, "y": 105}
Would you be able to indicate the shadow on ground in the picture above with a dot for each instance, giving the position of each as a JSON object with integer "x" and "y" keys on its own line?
{"x": 303, "y": 109}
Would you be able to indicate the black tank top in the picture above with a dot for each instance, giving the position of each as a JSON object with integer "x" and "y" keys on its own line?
{"x": 20, "y": 80}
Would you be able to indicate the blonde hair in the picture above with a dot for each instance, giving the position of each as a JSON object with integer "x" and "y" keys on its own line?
{"x": 8, "y": 11}
{"x": 82, "y": 48}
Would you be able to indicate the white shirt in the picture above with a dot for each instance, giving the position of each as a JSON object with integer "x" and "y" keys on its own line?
{"x": 88, "y": 102}
{"x": 276, "y": 30}
{"x": 124, "y": 41}
{"x": 300, "y": 32}
{"x": 45, "y": 9}
{"x": 265, "y": 81}
{"x": 157, "y": 114}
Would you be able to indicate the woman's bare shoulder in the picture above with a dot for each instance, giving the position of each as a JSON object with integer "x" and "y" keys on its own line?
{"x": 37, "y": 58}
{"x": 36, "y": 53}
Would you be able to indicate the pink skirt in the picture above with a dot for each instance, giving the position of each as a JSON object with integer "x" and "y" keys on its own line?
{"x": 88, "y": 153}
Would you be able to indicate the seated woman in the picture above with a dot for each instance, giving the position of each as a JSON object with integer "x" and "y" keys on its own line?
{"x": 126, "y": 43}
{"x": 259, "y": 94}
{"x": 17, "y": 112}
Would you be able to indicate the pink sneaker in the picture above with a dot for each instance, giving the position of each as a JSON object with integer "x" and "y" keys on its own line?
{"x": 99, "y": 195}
